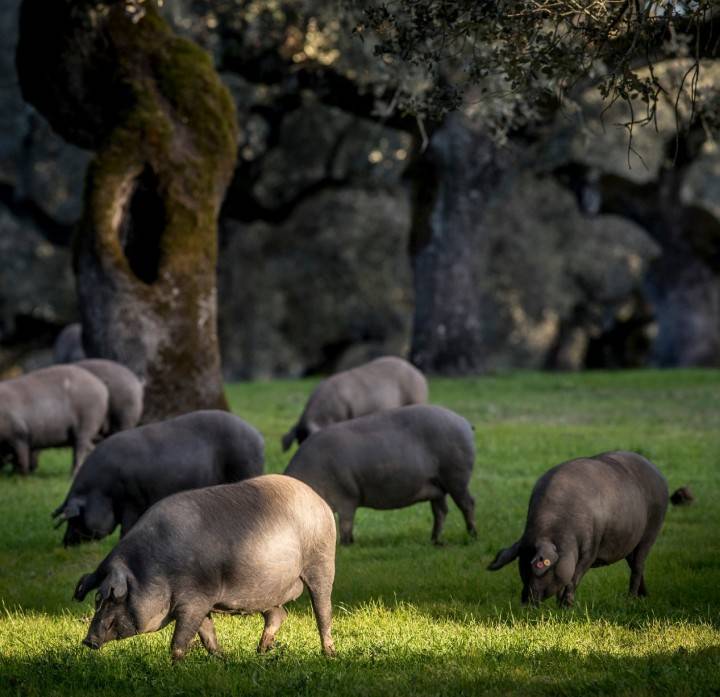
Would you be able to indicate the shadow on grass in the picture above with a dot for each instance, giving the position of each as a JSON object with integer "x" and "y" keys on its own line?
{"x": 370, "y": 670}
{"x": 438, "y": 589}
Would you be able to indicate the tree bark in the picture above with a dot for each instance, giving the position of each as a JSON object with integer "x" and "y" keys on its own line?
{"x": 111, "y": 76}
{"x": 683, "y": 284}
{"x": 453, "y": 182}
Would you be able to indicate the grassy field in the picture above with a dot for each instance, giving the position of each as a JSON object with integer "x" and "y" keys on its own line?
{"x": 410, "y": 618}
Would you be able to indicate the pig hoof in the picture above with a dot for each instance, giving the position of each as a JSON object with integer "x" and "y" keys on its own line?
{"x": 177, "y": 655}
{"x": 265, "y": 646}
{"x": 329, "y": 650}
{"x": 438, "y": 543}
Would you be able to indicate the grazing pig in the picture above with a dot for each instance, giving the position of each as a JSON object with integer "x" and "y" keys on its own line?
{"x": 391, "y": 459}
{"x": 125, "y": 390}
{"x": 56, "y": 406}
{"x": 588, "y": 512}
{"x": 235, "y": 548}
{"x": 384, "y": 383}
{"x": 130, "y": 471}
{"x": 68, "y": 346}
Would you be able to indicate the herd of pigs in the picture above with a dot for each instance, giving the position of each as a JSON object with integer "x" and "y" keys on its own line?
{"x": 203, "y": 530}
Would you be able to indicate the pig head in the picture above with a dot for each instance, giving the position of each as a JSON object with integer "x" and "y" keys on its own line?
{"x": 88, "y": 517}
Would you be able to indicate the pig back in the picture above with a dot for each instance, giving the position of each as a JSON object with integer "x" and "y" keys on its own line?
{"x": 385, "y": 383}
{"x": 245, "y": 545}
{"x": 241, "y": 449}
{"x": 124, "y": 388}
{"x": 51, "y": 402}
{"x": 199, "y": 449}
{"x": 389, "y": 459}
{"x": 609, "y": 501}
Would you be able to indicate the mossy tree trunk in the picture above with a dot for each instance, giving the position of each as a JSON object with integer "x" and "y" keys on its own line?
{"x": 111, "y": 76}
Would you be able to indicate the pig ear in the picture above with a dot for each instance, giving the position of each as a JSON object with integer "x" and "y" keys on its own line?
{"x": 70, "y": 509}
{"x": 288, "y": 438}
{"x": 114, "y": 585}
{"x": 85, "y": 585}
{"x": 312, "y": 428}
{"x": 504, "y": 556}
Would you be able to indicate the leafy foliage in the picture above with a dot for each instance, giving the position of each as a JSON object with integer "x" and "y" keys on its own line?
{"x": 531, "y": 53}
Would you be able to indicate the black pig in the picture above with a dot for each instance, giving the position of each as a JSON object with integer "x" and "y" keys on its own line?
{"x": 391, "y": 459}
{"x": 235, "y": 548}
{"x": 130, "y": 471}
{"x": 68, "y": 346}
{"x": 588, "y": 512}
{"x": 384, "y": 383}
{"x": 53, "y": 407}
{"x": 125, "y": 391}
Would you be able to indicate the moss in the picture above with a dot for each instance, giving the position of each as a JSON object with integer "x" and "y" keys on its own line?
{"x": 181, "y": 124}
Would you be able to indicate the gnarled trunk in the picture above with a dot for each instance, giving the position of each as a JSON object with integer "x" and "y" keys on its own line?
{"x": 112, "y": 77}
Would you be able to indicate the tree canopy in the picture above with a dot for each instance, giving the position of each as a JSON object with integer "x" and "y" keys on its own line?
{"x": 518, "y": 58}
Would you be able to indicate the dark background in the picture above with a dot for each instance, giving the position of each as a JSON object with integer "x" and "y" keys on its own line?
{"x": 560, "y": 254}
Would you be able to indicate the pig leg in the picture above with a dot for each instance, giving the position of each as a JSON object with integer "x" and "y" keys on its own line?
{"x": 636, "y": 562}
{"x": 274, "y": 617}
{"x": 637, "y": 558}
{"x": 22, "y": 456}
{"x": 439, "y": 509}
{"x": 33, "y": 460}
{"x": 81, "y": 449}
{"x": 188, "y": 621}
{"x": 319, "y": 584}
{"x": 566, "y": 597}
{"x": 569, "y": 568}
{"x": 346, "y": 516}
{"x": 207, "y": 635}
{"x": 466, "y": 503}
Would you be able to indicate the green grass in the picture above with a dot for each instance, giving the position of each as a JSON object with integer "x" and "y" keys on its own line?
{"x": 410, "y": 618}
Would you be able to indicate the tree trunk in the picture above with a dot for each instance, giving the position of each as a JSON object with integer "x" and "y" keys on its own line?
{"x": 683, "y": 284}
{"x": 111, "y": 76}
{"x": 453, "y": 181}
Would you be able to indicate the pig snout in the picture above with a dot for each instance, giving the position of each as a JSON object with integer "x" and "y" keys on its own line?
{"x": 530, "y": 598}
{"x": 76, "y": 534}
{"x": 72, "y": 538}
{"x": 92, "y": 642}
